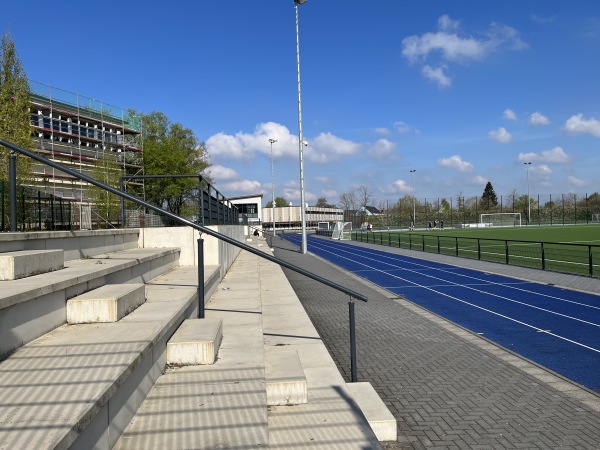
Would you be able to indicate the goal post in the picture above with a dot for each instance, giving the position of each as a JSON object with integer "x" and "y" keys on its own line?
{"x": 342, "y": 231}
{"x": 501, "y": 219}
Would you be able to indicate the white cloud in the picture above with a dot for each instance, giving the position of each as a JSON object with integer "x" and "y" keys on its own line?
{"x": 383, "y": 150}
{"x": 479, "y": 180}
{"x": 538, "y": 119}
{"x": 397, "y": 187}
{"x": 244, "y": 146}
{"x": 576, "y": 124}
{"x": 501, "y": 135}
{"x": 242, "y": 186}
{"x": 449, "y": 44}
{"x": 293, "y": 195}
{"x": 382, "y": 131}
{"x": 326, "y": 148}
{"x": 222, "y": 173}
{"x": 509, "y": 114}
{"x": 437, "y": 75}
{"x": 541, "y": 170}
{"x": 324, "y": 180}
{"x": 455, "y": 162}
{"x": 403, "y": 127}
{"x": 579, "y": 182}
{"x": 555, "y": 155}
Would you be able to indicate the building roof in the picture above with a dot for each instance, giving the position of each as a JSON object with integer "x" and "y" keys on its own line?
{"x": 242, "y": 197}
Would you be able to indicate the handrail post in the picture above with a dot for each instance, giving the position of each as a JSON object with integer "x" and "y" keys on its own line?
{"x": 200, "y": 277}
{"x": 12, "y": 173}
{"x": 353, "y": 370}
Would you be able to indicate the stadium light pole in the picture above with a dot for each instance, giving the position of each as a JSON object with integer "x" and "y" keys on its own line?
{"x": 272, "y": 141}
{"x": 527, "y": 164}
{"x": 414, "y": 198}
{"x": 301, "y": 143}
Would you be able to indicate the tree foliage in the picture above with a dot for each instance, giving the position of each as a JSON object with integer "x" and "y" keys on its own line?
{"x": 15, "y": 112}
{"x": 323, "y": 203}
{"x": 171, "y": 149}
{"x": 279, "y": 202}
{"x": 489, "y": 199}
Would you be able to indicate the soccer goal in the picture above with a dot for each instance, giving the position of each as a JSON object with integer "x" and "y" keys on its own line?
{"x": 501, "y": 219}
{"x": 342, "y": 231}
{"x": 596, "y": 218}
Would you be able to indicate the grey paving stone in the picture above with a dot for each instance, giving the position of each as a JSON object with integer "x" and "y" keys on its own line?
{"x": 446, "y": 388}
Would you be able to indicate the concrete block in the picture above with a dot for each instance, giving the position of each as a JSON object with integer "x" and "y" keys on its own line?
{"x": 196, "y": 342}
{"x": 380, "y": 418}
{"x": 284, "y": 376}
{"x": 25, "y": 263}
{"x": 108, "y": 303}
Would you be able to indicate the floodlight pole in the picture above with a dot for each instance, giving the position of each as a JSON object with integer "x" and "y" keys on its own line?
{"x": 272, "y": 141}
{"x": 414, "y": 198}
{"x": 527, "y": 164}
{"x": 300, "y": 141}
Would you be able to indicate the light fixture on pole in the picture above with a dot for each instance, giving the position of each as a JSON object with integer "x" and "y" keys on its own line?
{"x": 414, "y": 198}
{"x": 528, "y": 198}
{"x": 272, "y": 141}
{"x": 301, "y": 143}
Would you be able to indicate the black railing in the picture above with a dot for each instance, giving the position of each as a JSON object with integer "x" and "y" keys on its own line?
{"x": 578, "y": 259}
{"x": 201, "y": 228}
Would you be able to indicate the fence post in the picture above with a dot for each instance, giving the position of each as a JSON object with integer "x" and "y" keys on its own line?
{"x": 40, "y": 210}
{"x": 478, "y": 249}
{"x": 352, "y": 341}
{"x": 52, "y": 211}
{"x": 200, "y": 277}
{"x": 13, "y": 190}
{"x": 3, "y": 207}
{"x": 543, "y": 257}
{"x": 456, "y": 246}
{"x": 506, "y": 246}
{"x": 423, "y": 241}
{"x": 591, "y": 261}
{"x": 438, "y": 244}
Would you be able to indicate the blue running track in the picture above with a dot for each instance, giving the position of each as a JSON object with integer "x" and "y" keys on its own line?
{"x": 557, "y": 328}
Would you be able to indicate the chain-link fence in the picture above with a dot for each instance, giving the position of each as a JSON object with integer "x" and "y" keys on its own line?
{"x": 548, "y": 209}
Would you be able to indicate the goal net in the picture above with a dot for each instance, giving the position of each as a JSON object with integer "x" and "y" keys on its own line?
{"x": 501, "y": 219}
{"x": 342, "y": 231}
{"x": 596, "y": 218}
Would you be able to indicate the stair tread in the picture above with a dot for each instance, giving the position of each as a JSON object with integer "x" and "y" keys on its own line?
{"x": 57, "y": 383}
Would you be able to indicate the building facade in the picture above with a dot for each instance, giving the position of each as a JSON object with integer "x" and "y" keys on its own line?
{"x": 289, "y": 216}
{"x": 81, "y": 133}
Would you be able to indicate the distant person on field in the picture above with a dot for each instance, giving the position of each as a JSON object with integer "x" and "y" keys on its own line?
{"x": 429, "y": 225}
{"x": 434, "y": 224}
{"x": 441, "y": 224}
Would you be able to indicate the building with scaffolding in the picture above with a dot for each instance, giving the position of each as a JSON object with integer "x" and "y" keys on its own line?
{"x": 80, "y": 133}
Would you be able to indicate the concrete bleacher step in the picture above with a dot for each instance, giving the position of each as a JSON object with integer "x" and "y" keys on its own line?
{"x": 25, "y": 263}
{"x": 109, "y": 303}
{"x": 79, "y": 386}
{"x": 380, "y": 418}
{"x": 285, "y": 379}
{"x": 33, "y": 306}
{"x": 196, "y": 342}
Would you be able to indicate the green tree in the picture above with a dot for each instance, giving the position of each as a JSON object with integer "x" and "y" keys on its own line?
{"x": 108, "y": 171}
{"x": 323, "y": 203}
{"x": 489, "y": 199}
{"x": 171, "y": 149}
{"x": 279, "y": 202}
{"x": 15, "y": 111}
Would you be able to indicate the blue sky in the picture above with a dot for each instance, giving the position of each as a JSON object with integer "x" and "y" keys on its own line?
{"x": 462, "y": 91}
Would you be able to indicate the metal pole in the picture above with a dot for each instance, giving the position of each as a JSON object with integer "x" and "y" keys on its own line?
{"x": 352, "y": 342}
{"x": 13, "y": 191}
{"x": 300, "y": 140}
{"x": 272, "y": 141}
{"x": 414, "y": 199}
{"x": 528, "y": 199}
{"x": 200, "y": 277}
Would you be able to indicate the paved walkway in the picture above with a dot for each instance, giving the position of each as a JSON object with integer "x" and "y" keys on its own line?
{"x": 446, "y": 387}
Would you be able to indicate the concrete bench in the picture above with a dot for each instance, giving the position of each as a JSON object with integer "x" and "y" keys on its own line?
{"x": 109, "y": 303}
{"x": 285, "y": 379}
{"x": 380, "y": 418}
{"x": 197, "y": 341}
{"x": 25, "y": 263}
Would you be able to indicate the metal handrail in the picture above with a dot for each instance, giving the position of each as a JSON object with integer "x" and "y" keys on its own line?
{"x": 181, "y": 220}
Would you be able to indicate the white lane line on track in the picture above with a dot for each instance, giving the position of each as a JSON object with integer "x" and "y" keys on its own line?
{"x": 481, "y": 291}
{"x": 445, "y": 270}
{"x": 479, "y": 307}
